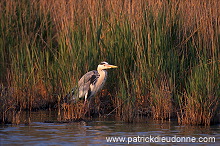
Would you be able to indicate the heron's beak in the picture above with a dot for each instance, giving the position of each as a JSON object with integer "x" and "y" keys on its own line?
{"x": 112, "y": 66}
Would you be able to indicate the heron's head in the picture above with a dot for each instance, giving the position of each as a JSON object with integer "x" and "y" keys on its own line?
{"x": 105, "y": 65}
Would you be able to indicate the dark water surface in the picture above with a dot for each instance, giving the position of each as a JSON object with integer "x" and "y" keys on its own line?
{"x": 100, "y": 131}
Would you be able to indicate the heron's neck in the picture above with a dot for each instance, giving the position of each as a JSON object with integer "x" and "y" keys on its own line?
{"x": 102, "y": 71}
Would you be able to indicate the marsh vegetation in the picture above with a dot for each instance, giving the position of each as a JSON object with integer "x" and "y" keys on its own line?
{"x": 167, "y": 51}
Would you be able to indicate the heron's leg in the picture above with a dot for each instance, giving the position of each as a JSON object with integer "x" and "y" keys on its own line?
{"x": 84, "y": 105}
{"x": 89, "y": 108}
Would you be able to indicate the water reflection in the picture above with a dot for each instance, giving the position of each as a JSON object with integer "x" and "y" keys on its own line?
{"x": 95, "y": 131}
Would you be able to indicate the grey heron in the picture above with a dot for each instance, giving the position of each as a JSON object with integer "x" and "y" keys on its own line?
{"x": 90, "y": 83}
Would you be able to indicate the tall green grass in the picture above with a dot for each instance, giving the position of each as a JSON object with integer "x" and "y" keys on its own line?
{"x": 167, "y": 53}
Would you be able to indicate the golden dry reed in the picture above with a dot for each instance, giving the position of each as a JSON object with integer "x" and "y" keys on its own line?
{"x": 167, "y": 52}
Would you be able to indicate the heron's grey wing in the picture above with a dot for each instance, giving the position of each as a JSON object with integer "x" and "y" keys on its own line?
{"x": 84, "y": 83}
{"x": 89, "y": 77}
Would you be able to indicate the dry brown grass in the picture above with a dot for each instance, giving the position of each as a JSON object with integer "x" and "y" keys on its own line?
{"x": 161, "y": 100}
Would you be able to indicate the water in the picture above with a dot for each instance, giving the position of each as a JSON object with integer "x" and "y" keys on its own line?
{"x": 98, "y": 131}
